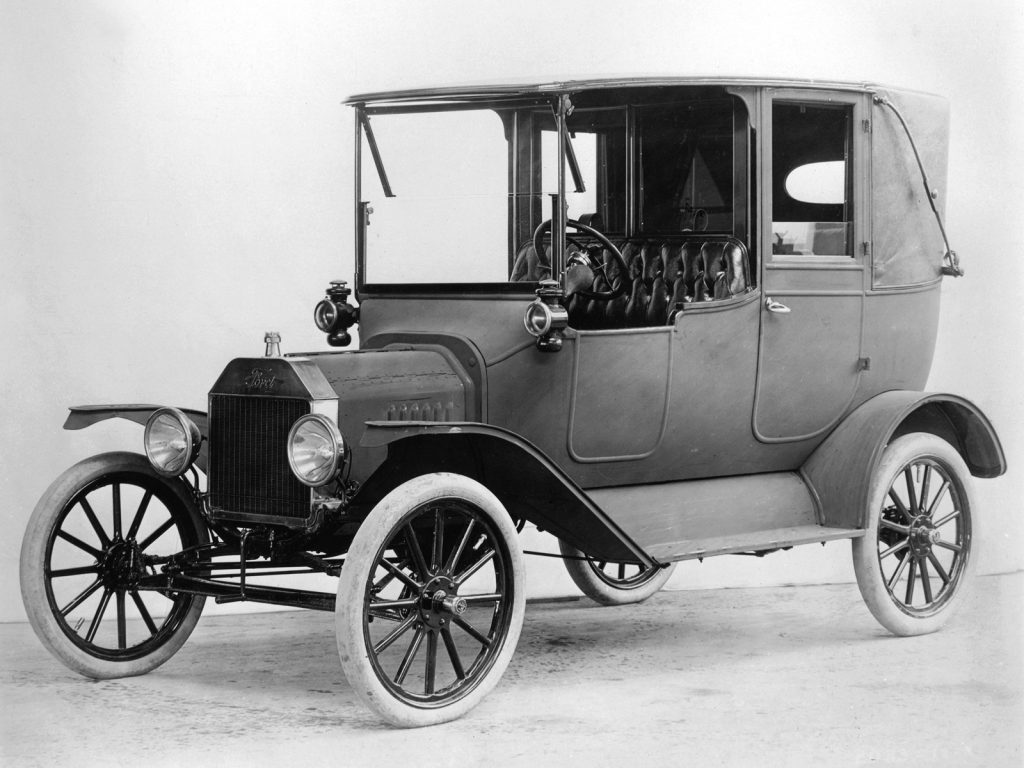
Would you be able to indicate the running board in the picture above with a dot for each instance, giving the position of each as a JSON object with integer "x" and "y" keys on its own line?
{"x": 755, "y": 541}
{"x": 718, "y": 516}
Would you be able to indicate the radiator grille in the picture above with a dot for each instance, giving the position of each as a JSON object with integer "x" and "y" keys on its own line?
{"x": 249, "y": 470}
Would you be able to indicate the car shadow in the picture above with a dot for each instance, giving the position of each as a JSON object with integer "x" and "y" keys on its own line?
{"x": 291, "y": 657}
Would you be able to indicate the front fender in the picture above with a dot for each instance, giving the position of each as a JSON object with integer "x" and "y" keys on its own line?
{"x": 82, "y": 416}
{"x": 839, "y": 471}
{"x": 529, "y": 484}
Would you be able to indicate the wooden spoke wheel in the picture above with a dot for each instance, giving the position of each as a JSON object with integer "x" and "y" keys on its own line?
{"x": 916, "y": 559}
{"x": 613, "y": 583}
{"x": 98, "y": 529}
{"x": 430, "y": 600}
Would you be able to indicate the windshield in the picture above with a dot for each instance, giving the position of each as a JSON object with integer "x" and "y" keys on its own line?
{"x": 448, "y": 219}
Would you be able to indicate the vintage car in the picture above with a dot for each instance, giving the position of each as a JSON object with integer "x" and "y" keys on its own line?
{"x": 660, "y": 319}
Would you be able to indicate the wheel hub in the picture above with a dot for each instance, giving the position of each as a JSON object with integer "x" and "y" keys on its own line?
{"x": 440, "y": 601}
{"x": 452, "y": 604}
{"x": 122, "y": 564}
{"x": 923, "y": 536}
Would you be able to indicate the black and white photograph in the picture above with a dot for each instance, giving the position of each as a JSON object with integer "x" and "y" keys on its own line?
{"x": 511, "y": 384}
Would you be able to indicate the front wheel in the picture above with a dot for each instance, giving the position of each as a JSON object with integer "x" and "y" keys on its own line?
{"x": 611, "y": 583}
{"x": 430, "y": 600}
{"x": 915, "y": 561}
{"x": 103, "y": 525}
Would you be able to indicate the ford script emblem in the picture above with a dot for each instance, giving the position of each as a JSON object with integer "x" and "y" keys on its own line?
{"x": 260, "y": 380}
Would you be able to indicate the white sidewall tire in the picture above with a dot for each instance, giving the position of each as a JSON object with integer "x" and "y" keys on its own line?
{"x": 866, "y": 565}
{"x": 361, "y": 558}
{"x": 600, "y": 591}
{"x": 33, "y": 554}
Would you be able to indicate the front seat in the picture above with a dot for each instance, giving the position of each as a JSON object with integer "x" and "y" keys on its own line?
{"x": 527, "y": 268}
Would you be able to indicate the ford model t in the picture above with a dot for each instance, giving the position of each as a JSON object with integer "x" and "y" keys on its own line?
{"x": 660, "y": 319}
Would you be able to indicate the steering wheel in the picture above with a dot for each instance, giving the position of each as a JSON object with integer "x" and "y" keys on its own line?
{"x": 613, "y": 293}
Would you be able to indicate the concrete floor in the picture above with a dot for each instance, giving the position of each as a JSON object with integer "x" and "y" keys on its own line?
{"x": 774, "y": 676}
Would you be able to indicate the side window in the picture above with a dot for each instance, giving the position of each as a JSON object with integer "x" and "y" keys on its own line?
{"x": 812, "y": 188}
{"x": 687, "y": 168}
{"x": 585, "y": 147}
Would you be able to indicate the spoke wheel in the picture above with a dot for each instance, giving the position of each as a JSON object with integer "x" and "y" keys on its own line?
{"x": 101, "y": 527}
{"x": 613, "y": 583}
{"x": 916, "y": 559}
{"x": 430, "y": 600}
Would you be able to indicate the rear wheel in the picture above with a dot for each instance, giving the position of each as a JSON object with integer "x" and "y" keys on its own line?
{"x": 430, "y": 601}
{"x": 96, "y": 531}
{"x": 613, "y": 583}
{"x": 915, "y": 561}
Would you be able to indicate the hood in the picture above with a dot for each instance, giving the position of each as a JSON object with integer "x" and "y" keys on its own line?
{"x": 397, "y": 384}
{"x": 407, "y": 383}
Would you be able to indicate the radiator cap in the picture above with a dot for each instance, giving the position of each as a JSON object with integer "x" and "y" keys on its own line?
{"x": 273, "y": 341}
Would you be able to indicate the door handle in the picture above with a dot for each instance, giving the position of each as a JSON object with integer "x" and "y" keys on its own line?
{"x": 774, "y": 306}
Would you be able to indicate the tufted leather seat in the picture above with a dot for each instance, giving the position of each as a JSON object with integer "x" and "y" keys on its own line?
{"x": 692, "y": 268}
{"x": 661, "y": 278}
{"x": 667, "y": 275}
{"x": 726, "y": 271}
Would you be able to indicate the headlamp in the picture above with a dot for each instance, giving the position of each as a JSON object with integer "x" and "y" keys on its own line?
{"x": 317, "y": 452}
{"x": 172, "y": 441}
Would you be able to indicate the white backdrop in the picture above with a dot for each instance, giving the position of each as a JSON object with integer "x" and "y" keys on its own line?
{"x": 176, "y": 179}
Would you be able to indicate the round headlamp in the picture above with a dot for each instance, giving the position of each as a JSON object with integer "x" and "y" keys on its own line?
{"x": 172, "y": 441}
{"x": 316, "y": 450}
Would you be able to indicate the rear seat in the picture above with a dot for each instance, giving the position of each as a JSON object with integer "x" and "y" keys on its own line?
{"x": 663, "y": 277}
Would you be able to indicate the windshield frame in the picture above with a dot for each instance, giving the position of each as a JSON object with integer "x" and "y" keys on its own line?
{"x": 558, "y": 103}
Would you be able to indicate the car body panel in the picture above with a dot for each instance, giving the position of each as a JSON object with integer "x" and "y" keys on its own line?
{"x": 82, "y": 416}
{"x": 907, "y": 247}
{"x": 485, "y": 91}
{"x": 840, "y": 469}
{"x": 484, "y": 452}
{"x": 698, "y": 518}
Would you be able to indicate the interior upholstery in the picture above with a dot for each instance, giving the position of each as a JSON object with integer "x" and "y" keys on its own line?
{"x": 661, "y": 279}
{"x": 526, "y": 268}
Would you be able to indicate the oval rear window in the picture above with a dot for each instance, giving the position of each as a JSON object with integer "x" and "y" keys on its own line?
{"x": 822, "y": 183}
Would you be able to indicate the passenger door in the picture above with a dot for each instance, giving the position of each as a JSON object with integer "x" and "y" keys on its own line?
{"x": 814, "y": 215}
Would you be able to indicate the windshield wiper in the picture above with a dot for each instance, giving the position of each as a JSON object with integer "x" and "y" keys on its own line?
{"x": 364, "y": 121}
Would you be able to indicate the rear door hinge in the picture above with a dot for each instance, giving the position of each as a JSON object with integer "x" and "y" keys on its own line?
{"x": 866, "y": 125}
{"x": 865, "y": 248}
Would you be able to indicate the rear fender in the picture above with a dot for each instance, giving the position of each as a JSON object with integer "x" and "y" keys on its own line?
{"x": 528, "y": 483}
{"x": 839, "y": 471}
{"x": 82, "y": 416}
